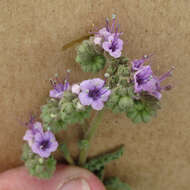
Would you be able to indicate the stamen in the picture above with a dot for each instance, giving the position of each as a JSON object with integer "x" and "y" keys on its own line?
{"x": 107, "y": 25}
{"x": 168, "y": 74}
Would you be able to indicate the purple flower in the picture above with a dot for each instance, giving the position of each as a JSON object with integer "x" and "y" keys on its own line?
{"x": 147, "y": 82}
{"x": 94, "y": 93}
{"x": 138, "y": 63}
{"x": 44, "y": 144}
{"x": 108, "y": 38}
{"x": 102, "y": 34}
{"x": 41, "y": 143}
{"x": 113, "y": 46}
{"x": 33, "y": 128}
{"x": 59, "y": 88}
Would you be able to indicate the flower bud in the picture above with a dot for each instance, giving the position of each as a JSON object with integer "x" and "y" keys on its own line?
{"x": 67, "y": 107}
{"x": 75, "y": 88}
{"x": 123, "y": 70}
{"x": 125, "y": 102}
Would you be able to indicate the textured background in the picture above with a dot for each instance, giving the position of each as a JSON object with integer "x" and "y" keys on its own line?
{"x": 32, "y": 34}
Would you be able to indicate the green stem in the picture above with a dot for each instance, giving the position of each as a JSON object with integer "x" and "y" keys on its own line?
{"x": 88, "y": 137}
{"x": 66, "y": 153}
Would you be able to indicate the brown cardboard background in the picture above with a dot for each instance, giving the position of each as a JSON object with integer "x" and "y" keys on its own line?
{"x": 32, "y": 33}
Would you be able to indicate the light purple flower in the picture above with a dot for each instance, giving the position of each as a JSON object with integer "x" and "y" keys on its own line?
{"x": 44, "y": 144}
{"x": 113, "y": 46}
{"x": 102, "y": 35}
{"x": 59, "y": 88}
{"x": 138, "y": 63}
{"x": 33, "y": 128}
{"x": 41, "y": 143}
{"x": 146, "y": 81}
{"x": 108, "y": 38}
{"x": 94, "y": 93}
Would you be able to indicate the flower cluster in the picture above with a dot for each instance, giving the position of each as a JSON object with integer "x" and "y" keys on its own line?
{"x": 130, "y": 88}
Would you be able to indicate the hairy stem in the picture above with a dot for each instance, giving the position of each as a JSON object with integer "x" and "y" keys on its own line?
{"x": 66, "y": 153}
{"x": 88, "y": 137}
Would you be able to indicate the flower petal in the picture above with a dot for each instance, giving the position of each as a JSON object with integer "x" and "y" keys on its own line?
{"x": 85, "y": 99}
{"x": 116, "y": 53}
{"x": 98, "y": 83}
{"x": 106, "y": 46}
{"x": 38, "y": 126}
{"x": 86, "y": 85}
{"x": 53, "y": 146}
{"x": 105, "y": 94}
{"x": 55, "y": 94}
{"x": 28, "y": 135}
{"x": 97, "y": 105}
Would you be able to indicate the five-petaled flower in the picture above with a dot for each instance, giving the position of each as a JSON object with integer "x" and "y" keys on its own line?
{"x": 94, "y": 93}
{"x": 41, "y": 143}
{"x": 113, "y": 46}
{"x": 44, "y": 144}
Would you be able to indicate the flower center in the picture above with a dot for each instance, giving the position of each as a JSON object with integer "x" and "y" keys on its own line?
{"x": 94, "y": 94}
{"x": 113, "y": 47}
{"x": 143, "y": 77}
{"x": 44, "y": 144}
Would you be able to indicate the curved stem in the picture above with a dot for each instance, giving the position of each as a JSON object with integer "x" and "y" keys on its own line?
{"x": 88, "y": 137}
{"x": 66, "y": 153}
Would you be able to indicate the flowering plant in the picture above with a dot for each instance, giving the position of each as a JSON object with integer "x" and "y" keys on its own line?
{"x": 128, "y": 87}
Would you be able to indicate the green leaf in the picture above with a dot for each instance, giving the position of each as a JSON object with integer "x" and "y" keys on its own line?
{"x": 146, "y": 116}
{"x": 137, "y": 118}
{"x": 98, "y": 162}
{"x": 89, "y": 57}
{"x": 114, "y": 183}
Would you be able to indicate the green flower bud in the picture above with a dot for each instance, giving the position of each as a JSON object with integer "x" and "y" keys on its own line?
{"x": 114, "y": 98}
{"x": 122, "y": 91}
{"x": 67, "y": 96}
{"x": 123, "y": 70}
{"x": 111, "y": 69}
{"x": 125, "y": 102}
{"x": 67, "y": 108}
